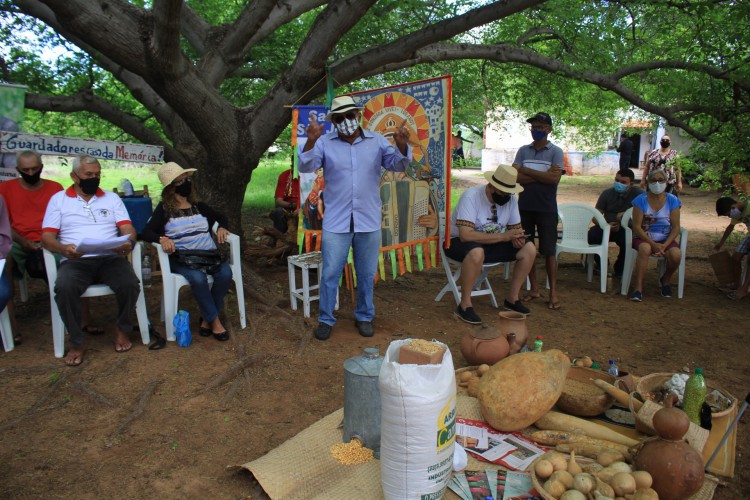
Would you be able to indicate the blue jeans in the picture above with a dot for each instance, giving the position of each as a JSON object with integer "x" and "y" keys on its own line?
{"x": 210, "y": 300}
{"x": 335, "y": 250}
{"x": 6, "y": 286}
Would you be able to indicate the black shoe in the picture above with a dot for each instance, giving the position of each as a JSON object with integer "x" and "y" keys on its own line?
{"x": 365, "y": 328}
{"x": 517, "y": 306}
{"x": 323, "y": 331}
{"x": 221, "y": 336}
{"x": 203, "y": 332}
{"x": 468, "y": 315}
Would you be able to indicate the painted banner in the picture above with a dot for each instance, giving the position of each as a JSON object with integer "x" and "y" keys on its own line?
{"x": 12, "y": 142}
{"x": 412, "y": 200}
{"x": 12, "y": 100}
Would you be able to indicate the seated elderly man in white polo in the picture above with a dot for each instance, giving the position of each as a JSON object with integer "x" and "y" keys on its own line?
{"x": 486, "y": 227}
{"x": 85, "y": 211}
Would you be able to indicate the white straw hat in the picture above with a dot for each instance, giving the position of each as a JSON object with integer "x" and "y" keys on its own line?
{"x": 170, "y": 171}
{"x": 504, "y": 178}
{"x": 342, "y": 104}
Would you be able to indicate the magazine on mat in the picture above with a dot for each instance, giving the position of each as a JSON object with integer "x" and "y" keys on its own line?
{"x": 509, "y": 450}
{"x": 497, "y": 484}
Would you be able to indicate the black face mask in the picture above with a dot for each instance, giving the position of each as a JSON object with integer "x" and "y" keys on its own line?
{"x": 500, "y": 199}
{"x": 184, "y": 189}
{"x": 88, "y": 186}
{"x": 665, "y": 144}
{"x": 31, "y": 179}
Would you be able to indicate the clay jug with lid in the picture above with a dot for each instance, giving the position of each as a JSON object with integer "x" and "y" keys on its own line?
{"x": 677, "y": 469}
{"x": 484, "y": 345}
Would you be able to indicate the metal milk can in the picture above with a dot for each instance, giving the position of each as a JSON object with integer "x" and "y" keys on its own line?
{"x": 362, "y": 399}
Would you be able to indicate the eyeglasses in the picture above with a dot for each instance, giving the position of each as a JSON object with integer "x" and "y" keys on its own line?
{"x": 89, "y": 211}
{"x": 351, "y": 115}
{"x": 494, "y": 213}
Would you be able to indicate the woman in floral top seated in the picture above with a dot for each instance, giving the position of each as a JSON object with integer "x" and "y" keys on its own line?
{"x": 183, "y": 223}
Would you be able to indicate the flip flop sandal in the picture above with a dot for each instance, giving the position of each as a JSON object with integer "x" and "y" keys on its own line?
{"x": 553, "y": 306}
{"x": 529, "y": 297}
{"x": 159, "y": 341}
{"x": 79, "y": 362}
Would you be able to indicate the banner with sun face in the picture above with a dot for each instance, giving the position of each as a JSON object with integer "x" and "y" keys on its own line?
{"x": 412, "y": 200}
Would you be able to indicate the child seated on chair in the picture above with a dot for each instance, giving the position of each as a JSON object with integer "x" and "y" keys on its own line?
{"x": 738, "y": 212}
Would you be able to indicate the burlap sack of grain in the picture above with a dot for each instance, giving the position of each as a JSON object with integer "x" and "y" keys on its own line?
{"x": 418, "y": 426}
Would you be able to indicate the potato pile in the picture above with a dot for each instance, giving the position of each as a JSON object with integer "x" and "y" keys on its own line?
{"x": 564, "y": 479}
{"x": 470, "y": 379}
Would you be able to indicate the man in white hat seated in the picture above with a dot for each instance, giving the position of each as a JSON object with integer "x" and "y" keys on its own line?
{"x": 486, "y": 227}
{"x": 351, "y": 158}
{"x": 85, "y": 211}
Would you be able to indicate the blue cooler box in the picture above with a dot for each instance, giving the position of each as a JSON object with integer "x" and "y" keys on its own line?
{"x": 140, "y": 211}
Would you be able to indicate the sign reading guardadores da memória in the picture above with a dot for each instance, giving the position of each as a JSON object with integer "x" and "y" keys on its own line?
{"x": 14, "y": 142}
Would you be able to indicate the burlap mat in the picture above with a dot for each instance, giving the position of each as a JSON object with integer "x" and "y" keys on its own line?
{"x": 303, "y": 467}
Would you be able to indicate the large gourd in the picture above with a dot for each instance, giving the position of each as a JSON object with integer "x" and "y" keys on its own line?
{"x": 519, "y": 389}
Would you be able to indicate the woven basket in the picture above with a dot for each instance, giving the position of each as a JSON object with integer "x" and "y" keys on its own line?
{"x": 586, "y": 464}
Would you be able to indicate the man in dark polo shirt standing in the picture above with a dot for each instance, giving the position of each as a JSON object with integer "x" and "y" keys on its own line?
{"x": 539, "y": 166}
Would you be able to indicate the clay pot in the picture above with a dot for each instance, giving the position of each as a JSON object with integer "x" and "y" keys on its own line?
{"x": 484, "y": 345}
{"x": 510, "y": 322}
{"x": 676, "y": 467}
{"x": 625, "y": 382}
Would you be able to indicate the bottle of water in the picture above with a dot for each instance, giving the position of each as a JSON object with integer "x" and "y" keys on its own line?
{"x": 127, "y": 188}
{"x": 613, "y": 370}
{"x": 538, "y": 343}
{"x": 695, "y": 394}
{"x": 146, "y": 271}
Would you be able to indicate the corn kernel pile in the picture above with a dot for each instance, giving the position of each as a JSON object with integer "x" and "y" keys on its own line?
{"x": 424, "y": 346}
{"x": 351, "y": 453}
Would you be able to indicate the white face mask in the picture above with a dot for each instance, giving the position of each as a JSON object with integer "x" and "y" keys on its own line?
{"x": 735, "y": 212}
{"x": 347, "y": 127}
{"x": 657, "y": 187}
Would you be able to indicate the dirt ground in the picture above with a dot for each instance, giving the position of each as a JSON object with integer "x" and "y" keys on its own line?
{"x": 168, "y": 423}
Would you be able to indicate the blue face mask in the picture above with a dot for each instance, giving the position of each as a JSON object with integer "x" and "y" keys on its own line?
{"x": 620, "y": 187}
{"x": 538, "y": 135}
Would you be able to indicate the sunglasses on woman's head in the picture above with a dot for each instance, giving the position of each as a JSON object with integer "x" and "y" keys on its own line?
{"x": 351, "y": 115}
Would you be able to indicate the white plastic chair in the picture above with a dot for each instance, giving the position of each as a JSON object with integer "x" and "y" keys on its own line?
{"x": 631, "y": 254}
{"x": 453, "y": 274}
{"x": 576, "y": 220}
{"x": 173, "y": 282}
{"x": 97, "y": 290}
{"x": 5, "y": 328}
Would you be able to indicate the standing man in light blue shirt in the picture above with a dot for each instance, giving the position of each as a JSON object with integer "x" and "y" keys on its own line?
{"x": 351, "y": 159}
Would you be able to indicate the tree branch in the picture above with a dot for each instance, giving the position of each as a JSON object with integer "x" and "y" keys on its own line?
{"x": 88, "y": 101}
{"x": 194, "y": 28}
{"x": 165, "y": 41}
{"x": 511, "y": 54}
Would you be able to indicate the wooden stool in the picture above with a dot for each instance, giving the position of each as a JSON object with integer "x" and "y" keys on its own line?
{"x": 305, "y": 262}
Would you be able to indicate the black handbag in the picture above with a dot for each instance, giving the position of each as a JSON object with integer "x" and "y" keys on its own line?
{"x": 208, "y": 261}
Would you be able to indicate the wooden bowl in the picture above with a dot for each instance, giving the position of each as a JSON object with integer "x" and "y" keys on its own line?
{"x": 651, "y": 387}
{"x": 581, "y": 397}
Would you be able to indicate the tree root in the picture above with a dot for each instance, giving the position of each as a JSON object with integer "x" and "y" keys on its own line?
{"x": 146, "y": 394}
{"x": 231, "y": 372}
{"x": 87, "y": 391}
{"x": 51, "y": 391}
{"x": 25, "y": 370}
{"x": 31, "y": 414}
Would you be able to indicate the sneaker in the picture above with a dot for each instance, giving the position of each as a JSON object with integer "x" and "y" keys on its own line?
{"x": 468, "y": 315}
{"x": 666, "y": 290}
{"x": 323, "y": 331}
{"x": 517, "y": 306}
{"x": 636, "y": 296}
{"x": 365, "y": 328}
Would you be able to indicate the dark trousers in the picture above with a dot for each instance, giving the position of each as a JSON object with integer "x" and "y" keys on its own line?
{"x": 75, "y": 276}
{"x": 595, "y": 237}
{"x": 279, "y": 217}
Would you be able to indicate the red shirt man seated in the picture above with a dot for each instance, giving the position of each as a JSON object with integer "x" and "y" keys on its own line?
{"x": 286, "y": 200}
